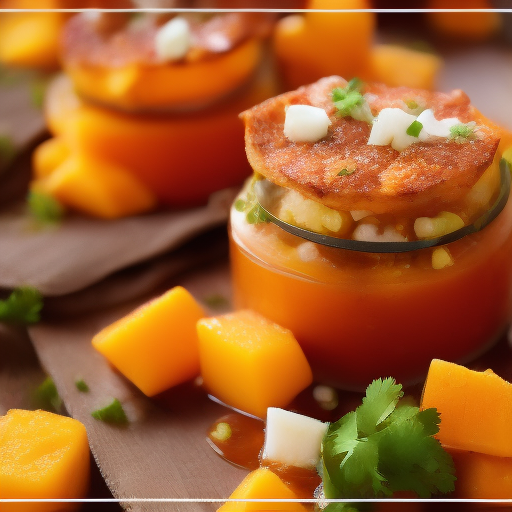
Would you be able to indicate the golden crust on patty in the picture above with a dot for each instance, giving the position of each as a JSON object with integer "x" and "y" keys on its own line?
{"x": 115, "y": 39}
{"x": 423, "y": 179}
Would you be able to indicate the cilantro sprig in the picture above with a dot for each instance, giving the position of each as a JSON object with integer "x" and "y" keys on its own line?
{"x": 463, "y": 132}
{"x": 254, "y": 213}
{"x": 112, "y": 413}
{"x": 385, "y": 446}
{"x": 23, "y": 306}
{"x": 44, "y": 209}
{"x": 350, "y": 102}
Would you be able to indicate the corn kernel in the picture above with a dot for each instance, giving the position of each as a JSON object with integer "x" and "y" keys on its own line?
{"x": 442, "y": 224}
{"x": 441, "y": 258}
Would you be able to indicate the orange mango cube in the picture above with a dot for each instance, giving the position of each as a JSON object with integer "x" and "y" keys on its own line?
{"x": 262, "y": 484}
{"x": 251, "y": 363}
{"x": 155, "y": 346}
{"x": 481, "y": 476}
{"x": 42, "y": 455}
{"x": 472, "y": 26}
{"x": 318, "y": 44}
{"x": 181, "y": 158}
{"x": 399, "y": 66}
{"x": 475, "y": 408}
{"x": 98, "y": 188}
{"x": 48, "y": 156}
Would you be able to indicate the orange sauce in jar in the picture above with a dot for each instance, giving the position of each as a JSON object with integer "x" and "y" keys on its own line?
{"x": 360, "y": 316}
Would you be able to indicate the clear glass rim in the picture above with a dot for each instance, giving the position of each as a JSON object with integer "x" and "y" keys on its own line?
{"x": 396, "y": 247}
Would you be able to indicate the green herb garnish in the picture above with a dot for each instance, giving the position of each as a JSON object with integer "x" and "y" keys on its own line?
{"x": 350, "y": 102}
{"x": 113, "y": 413}
{"x": 411, "y": 104}
{"x": 383, "y": 447}
{"x": 346, "y": 172}
{"x": 7, "y": 150}
{"x": 216, "y": 301}
{"x": 240, "y": 205}
{"x": 82, "y": 386}
{"x": 463, "y": 132}
{"x": 23, "y": 306}
{"x": 414, "y": 129}
{"x": 47, "y": 396}
{"x": 45, "y": 209}
{"x": 38, "y": 92}
{"x": 254, "y": 214}
{"x": 222, "y": 432}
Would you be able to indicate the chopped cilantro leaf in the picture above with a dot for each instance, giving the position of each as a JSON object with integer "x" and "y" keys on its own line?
{"x": 23, "y": 306}
{"x": 256, "y": 215}
{"x": 45, "y": 209}
{"x": 7, "y": 150}
{"x": 113, "y": 413}
{"x": 82, "y": 386}
{"x": 385, "y": 446}
{"x": 38, "y": 92}
{"x": 462, "y": 132}
{"x": 412, "y": 104}
{"x": 346, "y": 172}
{"x": 240, "y": 205}
{"x": 350, "y": 102}
{"x": 414, "y": 129}
{"x": 47, "y": 396}
{"x": 216, "y": 301}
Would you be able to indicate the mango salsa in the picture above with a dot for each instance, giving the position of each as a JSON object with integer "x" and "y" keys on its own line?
{"x": 155, "y": 346}
{"x": 262, "y": 484}
{"x": 251, "y": 363}
{"x": 475, "y": 408}
{"x": 399, "y": 66}
{"x": 97, "y": 188}
{"x": 481, "y": 476}
{"x": 42, "y": 455}
{"x": 320, "y": 44}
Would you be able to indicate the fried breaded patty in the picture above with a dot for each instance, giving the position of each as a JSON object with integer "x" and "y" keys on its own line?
{"x": 115, "y": 39}
{"x": 423, "y": 179}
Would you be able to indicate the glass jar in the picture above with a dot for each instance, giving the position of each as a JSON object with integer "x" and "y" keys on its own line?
{"x": 364, "y": 315}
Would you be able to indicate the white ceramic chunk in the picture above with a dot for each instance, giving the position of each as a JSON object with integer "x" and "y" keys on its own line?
{"x": 305, "y": 123}
{"x": 293, "y": 439}
{"x": 172, "y": 41}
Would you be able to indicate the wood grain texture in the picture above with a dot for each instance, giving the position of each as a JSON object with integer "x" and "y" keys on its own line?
{"x": 163, "y": 452}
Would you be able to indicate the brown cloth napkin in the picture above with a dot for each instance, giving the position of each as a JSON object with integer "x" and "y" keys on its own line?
{"x": 82, "y": 250}
{"x": 163, "y": 452}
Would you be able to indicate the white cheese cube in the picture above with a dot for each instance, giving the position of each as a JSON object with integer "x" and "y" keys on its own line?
{"x": 390, "y": 127}
{"x": 370, "y": 233}
{"x": 173, "y": 40}
{"x": 304, "y": 123}
{"x": 431, "y": 126}
{"x": 293, "y": 439}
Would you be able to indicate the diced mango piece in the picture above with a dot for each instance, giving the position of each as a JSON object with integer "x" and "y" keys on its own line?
{"x": 42, "y": 455}
{"x": 251, "y": 363}
{"x": 98, "y": 188}
{"x": 475, "y": 407}
{"x": 318, "y": 44}
{"x": 30, "y": 39}
{"x": 481, "y": 476}
{"x": 475, "y": 26}
{"x": 182, "y": 159}
{"x": 155, "y": 346}
{"x": 48, "y": 156}
{"x": 398, "y": 66}
{"x": 262, "y": 484}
